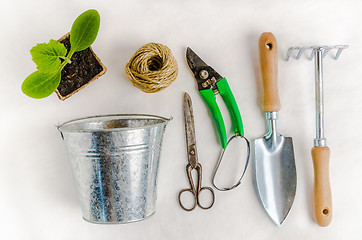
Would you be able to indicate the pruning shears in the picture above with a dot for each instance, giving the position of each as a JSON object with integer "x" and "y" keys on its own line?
{"x": 210, "y": 83}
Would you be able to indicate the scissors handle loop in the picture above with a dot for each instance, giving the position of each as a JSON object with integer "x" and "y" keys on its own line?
{"x": 180, "y": 201}
{"x": 203, "y": 189}
{"x": 195, "y": 191}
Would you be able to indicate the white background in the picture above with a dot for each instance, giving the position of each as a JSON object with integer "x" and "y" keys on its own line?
{"x": 38, "y": 197}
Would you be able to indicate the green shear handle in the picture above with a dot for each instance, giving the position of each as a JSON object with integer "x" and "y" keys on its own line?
{"x": 229, "y": 99}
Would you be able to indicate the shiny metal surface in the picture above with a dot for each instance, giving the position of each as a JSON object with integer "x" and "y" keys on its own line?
{"x": 114, "y": 161}
{"x": 325, "y": 50}
{"x": 319, "y": 110}
{"x": 275, "y": 171}
{"x": 318, "y": 53}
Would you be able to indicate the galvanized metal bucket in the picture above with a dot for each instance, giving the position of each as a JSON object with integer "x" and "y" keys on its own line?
{"x": 115, "y": 160}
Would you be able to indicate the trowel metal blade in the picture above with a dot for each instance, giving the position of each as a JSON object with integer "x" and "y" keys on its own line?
{"x": 275, "y": 176}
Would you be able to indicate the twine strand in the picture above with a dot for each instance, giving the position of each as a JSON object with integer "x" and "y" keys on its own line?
{"x": 152, "y": 68}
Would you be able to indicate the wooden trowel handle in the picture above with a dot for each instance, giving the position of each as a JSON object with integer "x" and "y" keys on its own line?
{"x": 322, "y": 202}
{"x": 268, "y": 57}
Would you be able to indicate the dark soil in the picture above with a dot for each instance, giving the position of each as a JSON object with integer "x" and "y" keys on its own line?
{"x": 80, "y": 71}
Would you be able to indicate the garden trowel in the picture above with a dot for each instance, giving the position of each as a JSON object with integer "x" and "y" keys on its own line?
{"x": 275, "y": 173}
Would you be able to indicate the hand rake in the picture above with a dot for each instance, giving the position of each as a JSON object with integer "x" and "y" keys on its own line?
{"x": 320, "y": 152}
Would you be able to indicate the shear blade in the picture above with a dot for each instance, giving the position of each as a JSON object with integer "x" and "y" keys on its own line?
{"x": 193, "y": 60}
{"x": 208, "y": 78}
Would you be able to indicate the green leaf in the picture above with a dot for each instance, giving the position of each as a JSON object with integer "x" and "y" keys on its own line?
{"x": 84, "y": 30}
{"x": 41, "y": 84}
{"x": 46, "y": 56}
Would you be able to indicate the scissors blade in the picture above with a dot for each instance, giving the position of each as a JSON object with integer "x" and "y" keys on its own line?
{"x": 190, "y": 131}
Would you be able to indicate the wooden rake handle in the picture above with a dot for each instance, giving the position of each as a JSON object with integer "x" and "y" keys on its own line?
{"x": 322, "y": 202}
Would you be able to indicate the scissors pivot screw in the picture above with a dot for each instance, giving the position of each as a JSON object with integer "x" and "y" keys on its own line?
{"x": 204, "y": 74}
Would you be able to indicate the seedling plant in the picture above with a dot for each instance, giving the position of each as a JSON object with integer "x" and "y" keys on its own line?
{"x": 52, "y": 57}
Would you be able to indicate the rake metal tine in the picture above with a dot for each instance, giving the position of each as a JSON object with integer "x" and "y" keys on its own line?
{"x": 326, "y": 51}
{"x": 312, "y": 55}
{"x": 290, "y": 50}
{"x": 300, "y": 53}
{"x": 339, "y": 53}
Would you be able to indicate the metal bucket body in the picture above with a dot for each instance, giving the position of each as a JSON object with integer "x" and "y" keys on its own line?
{"x": 115, "y": 160}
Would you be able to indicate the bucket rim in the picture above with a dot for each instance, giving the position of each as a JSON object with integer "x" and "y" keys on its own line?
{"x": 131, "y": 116}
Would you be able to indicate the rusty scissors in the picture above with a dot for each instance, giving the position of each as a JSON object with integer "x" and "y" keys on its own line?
{"x": 193, "y": 161}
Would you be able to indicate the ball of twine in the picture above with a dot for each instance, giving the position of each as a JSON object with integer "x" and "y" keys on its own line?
{"x": 152, "y": 68}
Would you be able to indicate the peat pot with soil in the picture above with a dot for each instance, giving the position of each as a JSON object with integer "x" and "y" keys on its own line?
{"x": 85, "y": 67}
{"x": 67, "y": 65}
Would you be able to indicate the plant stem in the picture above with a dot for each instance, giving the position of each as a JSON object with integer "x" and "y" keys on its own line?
{"x": 67, "y": 59}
